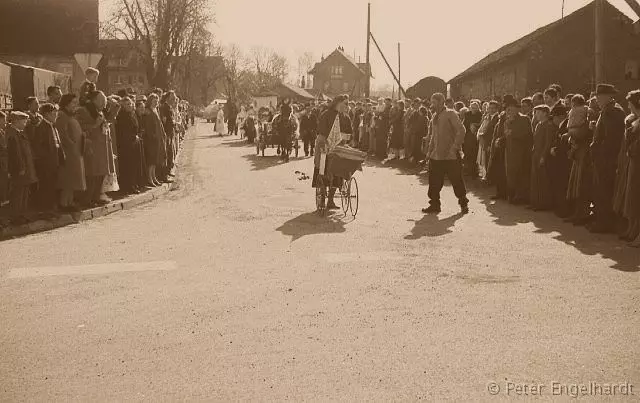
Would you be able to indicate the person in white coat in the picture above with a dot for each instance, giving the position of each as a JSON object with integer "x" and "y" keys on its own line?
{"x": 220, "y": 127}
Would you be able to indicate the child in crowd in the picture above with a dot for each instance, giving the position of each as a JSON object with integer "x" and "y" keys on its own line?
{"x": 90, "y": 84}
{"x": 577, "y": 120}
{"x": 20, "y": 163}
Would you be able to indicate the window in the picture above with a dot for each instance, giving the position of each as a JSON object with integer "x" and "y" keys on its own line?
{"x": 336, "y": 71}
{"x": 345, "y": 86}
{"x": 631, "y": 68}
{"x": 130, "y": 80}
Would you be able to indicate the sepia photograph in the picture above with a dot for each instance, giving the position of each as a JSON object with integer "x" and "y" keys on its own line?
{"x": 319, "y": 201}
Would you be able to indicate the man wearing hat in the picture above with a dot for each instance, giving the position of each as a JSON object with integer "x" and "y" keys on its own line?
{"x": 607, "y": 140}
{"x": 48, "y": 157}
{"x": 22, "y": 172}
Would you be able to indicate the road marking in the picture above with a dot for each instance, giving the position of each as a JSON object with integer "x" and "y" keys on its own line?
{"x": 361, "y": 257}
{"x": 90, "y": 269}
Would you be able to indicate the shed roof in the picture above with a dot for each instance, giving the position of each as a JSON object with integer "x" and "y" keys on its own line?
{"x": 293, "y": 90}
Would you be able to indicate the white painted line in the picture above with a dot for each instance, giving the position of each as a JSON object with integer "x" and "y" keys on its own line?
{"x": 361, "y": 257}
{"x": 90, "y": 269}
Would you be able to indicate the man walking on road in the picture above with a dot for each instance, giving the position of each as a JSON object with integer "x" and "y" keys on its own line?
{"x": 447, "y": 138}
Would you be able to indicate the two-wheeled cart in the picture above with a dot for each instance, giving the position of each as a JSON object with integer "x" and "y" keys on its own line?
{"x": 340, "y": 167}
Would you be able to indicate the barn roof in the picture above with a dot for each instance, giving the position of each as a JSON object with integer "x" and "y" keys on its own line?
{"x": 516, "y": 47}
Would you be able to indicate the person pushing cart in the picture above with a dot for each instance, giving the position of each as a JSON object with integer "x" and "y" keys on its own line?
{"x": 335, "y": 163}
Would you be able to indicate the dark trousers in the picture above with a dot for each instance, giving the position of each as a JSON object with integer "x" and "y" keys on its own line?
{"x": 4, "y": 186}
{"x": 309, "y": 143}
{"x": 604, "y": 188}
{"x": 453, "y": 170}
{"x": 19, "y": 199}
{"x": 47, "y": 189}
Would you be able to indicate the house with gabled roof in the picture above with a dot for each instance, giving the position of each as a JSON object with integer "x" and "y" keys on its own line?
{"x": 562, "y": 52}
{"x": 339, "y": 74}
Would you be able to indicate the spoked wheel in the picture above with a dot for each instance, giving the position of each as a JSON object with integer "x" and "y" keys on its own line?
{"x": 345, "y": 196}
{"x": 354, "y": 197}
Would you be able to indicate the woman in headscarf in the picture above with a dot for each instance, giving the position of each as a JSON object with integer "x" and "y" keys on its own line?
{"x": 99, "y": 160}
{"x": 325, "y": 142}
{"x": 71, "y": 175}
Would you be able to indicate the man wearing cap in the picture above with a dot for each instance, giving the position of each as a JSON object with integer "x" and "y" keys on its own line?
{"x": 22, "y": 173}
{"x": 48, "y": 156}
{"x": 607, "y": 140}
{"x": 445, "y": 145}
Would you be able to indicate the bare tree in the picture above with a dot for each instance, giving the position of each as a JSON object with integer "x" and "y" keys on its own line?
{"x": 163, "y": 32}
{"x": 270, "y": 67}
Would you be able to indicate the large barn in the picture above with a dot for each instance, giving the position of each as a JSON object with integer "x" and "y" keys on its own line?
{"x": 561, "y": 52}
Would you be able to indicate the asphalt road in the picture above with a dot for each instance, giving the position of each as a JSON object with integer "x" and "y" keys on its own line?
{"x": 231, "y": 288}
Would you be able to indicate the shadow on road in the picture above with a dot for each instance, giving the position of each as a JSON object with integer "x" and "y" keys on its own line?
{"x": 237, "y": 142}
{"x": 311, "y": 224}
{"x": 259, "y": 162}
{"x": 625, "y": 259}
{"x": 431, "y": 226}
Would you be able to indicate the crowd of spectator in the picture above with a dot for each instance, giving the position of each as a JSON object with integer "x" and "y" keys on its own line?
{"x": 75, "y": 150}
{"x": 575, "y": 155}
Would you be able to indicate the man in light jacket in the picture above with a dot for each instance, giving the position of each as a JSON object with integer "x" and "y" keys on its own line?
{"x": 445, "y": 156}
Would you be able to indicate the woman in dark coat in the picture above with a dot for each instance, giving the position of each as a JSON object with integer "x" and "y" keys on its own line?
{"x": 129, "y": 152}
{"x": 397, "y": 130}
{"x": 518, "y": 140}
{"x": 631, "y": 204}
{"x": 71, "y": 176}
{"x": 154, "y": 141}
{"x": 325, "y": 124}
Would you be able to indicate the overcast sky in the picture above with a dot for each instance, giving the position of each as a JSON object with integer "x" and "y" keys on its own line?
{"x": 438, "y": 37}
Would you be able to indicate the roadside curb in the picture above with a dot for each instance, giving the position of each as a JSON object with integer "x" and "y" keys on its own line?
{"x": 85, "y": 215}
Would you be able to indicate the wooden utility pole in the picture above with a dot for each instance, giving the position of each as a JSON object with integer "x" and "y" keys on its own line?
{"x": 399, "y": 92}
{"x": 599, "y": 41}
{"x": 367, "y": 89}
{"x": 400, "y": 88}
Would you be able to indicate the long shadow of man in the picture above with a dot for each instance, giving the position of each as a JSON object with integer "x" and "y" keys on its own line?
{"x": 430, "y": 225}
